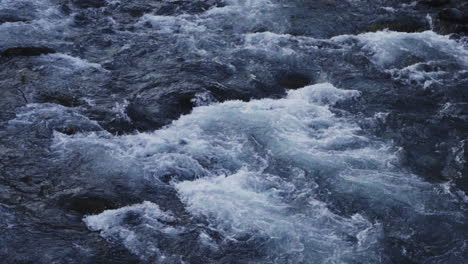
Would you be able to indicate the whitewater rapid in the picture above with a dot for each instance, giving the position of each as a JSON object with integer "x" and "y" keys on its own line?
{"x": 287, "y": 177}
{"x": 232, "y": 131}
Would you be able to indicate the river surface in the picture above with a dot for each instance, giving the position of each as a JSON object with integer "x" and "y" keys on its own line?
{"x": 233, "y": 131}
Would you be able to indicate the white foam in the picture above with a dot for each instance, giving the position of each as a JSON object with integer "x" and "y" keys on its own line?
{"x": 324, "y": 94}
{"x": 173, "y": 24}
{"x": 250, "y": 203}
{"x": 388, "y": 47}
{"x": 249, "y": 15}
{"x": 74, "y": 62}
{"x": 117, "y": 225}
{"x": 51, "y": 115}
{"x": 414, "y": 75}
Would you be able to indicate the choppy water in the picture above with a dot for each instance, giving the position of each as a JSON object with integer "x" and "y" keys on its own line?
{"x": 254, "y": 131}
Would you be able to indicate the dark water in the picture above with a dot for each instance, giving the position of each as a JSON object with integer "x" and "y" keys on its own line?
{"x": 233, "y": 131}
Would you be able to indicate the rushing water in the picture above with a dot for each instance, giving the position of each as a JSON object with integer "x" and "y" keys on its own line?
{"x": 235, "y": 131}
{"x": 282, "y": 177}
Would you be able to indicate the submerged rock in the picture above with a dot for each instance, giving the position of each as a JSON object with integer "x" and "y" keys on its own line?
{"x": 293, "y": 80}
{"x": 89, "y": 3}
{"x": 454, "y": 15}
{"x": 434, "y": 2}
{"x": 399, "y": 24}
{"x": 11, "y": 18}
{"x": 156, "y": 107}
{"x": 89, "y": 205}
{"x": 26, "y": 51}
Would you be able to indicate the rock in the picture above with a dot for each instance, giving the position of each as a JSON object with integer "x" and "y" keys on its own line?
{"x": 453, "y": 15}
{"x": 454, "y": 20}
{"x": 434, "y": 2}
{"x": 26, "y": 51}
{"x": 400, "y": 24}
{"x": 61, "y": 99}
{"x": 4, "y": 18}
{"x": 89, "y": 3}
{"x": 294, "y": 80}
{"x": 90, "y": 205}
{"x": 156, "y": 107}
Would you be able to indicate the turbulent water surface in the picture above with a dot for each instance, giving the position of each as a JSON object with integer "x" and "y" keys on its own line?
{"x": 233, "y": 131}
